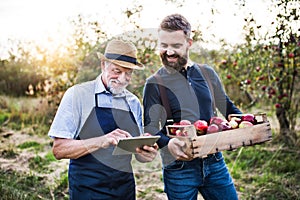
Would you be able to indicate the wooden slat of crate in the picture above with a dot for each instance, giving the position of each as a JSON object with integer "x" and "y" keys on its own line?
{"x": 231, "y": 139}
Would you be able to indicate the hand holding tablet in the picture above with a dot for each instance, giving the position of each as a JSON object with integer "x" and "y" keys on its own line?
{"x": 129, "y": 145}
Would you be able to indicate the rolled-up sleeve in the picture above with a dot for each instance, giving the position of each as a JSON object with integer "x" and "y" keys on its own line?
{"x": 63, "y": 125}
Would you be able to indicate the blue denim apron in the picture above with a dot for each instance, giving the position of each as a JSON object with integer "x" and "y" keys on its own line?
{"x": 101, "y": 175}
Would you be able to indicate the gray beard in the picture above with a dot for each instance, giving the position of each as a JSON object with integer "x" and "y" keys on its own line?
{"x": 115, "y": 90}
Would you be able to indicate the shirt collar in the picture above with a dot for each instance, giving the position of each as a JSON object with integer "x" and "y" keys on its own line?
{"x": 99, "y": 86}
{"x": 189, "y": 64}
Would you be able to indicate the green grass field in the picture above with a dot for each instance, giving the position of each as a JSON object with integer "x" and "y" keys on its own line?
{"x": 28, "y": 169}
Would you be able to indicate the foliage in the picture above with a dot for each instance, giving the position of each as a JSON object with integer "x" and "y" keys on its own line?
{"x": 266, "y": 69}
{"x": 263, "y": 71}
{"x": 18, "y": 77}
{"x": 27, "y": 113}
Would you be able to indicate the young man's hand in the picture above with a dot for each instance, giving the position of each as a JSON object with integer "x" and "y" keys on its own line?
{"x": 176, "y": 148}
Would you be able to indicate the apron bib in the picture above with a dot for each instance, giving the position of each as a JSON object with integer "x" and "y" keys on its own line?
{"x": 101, "y": 175}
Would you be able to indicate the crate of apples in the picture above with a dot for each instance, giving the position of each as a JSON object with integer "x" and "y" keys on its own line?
{"x": 186, "y": 128}
{"x": 219, "y": 134}
{"x": 217, "y": 124}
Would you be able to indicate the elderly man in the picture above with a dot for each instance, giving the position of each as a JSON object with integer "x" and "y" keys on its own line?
{"x": 94, "y": 173}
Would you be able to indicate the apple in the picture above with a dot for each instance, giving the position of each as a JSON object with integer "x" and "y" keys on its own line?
{"x": 181, "y": 133}
{"x": 201, "y": 126}
{"x": 185, "y": 122}
{"x": 178, "y": 132}
{"x": 213, "y": 128}
{"x": 244, "y": 124}
{"x": 173, "y": 131}
{"x": 291, "y": 55}
{"x": 236, "y": 119}
{"x": 216, "y": 120}
{"x": 224, "y": 126}
{"x": 234, "y": 124}
{"x": 249, "y": 117}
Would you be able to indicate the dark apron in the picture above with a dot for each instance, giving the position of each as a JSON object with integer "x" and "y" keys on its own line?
{"x": 101, "y": 175}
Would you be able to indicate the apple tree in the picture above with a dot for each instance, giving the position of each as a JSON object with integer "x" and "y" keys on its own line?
{"x": 266, "y": 68}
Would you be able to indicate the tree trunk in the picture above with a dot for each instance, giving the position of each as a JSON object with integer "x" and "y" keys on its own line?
{"x": 286, "y": 135}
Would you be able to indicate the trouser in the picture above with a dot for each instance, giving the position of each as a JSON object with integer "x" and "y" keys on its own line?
{"x": 209, "y": 176}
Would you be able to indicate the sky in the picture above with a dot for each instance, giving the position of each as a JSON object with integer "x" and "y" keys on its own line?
{"x": 48, "y": 20}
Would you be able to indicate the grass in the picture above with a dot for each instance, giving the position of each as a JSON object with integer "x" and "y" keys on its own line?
{"x": 32, "y": 113}
{"x": 260, "y": 172}
{"x": 266, "y": 171}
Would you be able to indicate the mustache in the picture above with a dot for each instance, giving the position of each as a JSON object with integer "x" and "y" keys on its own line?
{"x": 123, "y": 83}
{"x": 175, "y": 55}
{"x": 181, "y": 60}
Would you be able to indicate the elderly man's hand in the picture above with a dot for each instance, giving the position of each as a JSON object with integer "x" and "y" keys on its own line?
{"x": 146, "y": 153}
{"x": 113, "y": 137}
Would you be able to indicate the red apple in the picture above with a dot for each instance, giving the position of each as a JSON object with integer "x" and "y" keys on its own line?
{"x": 174, "y": 129}
{"x": 185, "y": 122}
{"x": 244, "y": 124}
{"x": 248, "y": 81}
{"x": 224, "y": 126}
{"x": 291, "y": 55}
{"x": 216, "y": 120}
{"x": 201, "y": 126}
{"x": 213, "y": 128}
{"x": 248, "y": 117}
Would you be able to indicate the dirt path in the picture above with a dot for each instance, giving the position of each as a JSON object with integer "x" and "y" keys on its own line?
{"x": 12, "y": 158}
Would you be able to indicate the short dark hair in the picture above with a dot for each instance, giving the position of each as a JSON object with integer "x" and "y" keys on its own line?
{"x": 176, "y": 22}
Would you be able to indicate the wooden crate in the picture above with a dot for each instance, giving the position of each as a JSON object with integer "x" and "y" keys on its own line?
{"x": 201, "y": 146}
{"x": 231, "y": 139}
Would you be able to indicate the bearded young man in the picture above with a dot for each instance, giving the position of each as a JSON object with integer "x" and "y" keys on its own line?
{"x": 189, "y": 98}
{"x": 94, "y": 173}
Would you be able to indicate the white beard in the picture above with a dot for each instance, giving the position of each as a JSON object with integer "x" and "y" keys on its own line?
{"x": 116, "y": 90}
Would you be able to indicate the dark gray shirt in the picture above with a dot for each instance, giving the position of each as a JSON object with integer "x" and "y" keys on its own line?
{"x": 189, "y": 98}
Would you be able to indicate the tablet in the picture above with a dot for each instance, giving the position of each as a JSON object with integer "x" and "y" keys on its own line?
{"x": 128, "y": 145}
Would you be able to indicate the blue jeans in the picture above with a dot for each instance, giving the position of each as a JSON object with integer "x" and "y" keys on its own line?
{"x": 209, "y": 176}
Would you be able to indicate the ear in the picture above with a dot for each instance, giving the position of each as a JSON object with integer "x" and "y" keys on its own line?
{"x": 190, "y": 41}
{"x": 102, "y": 65}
